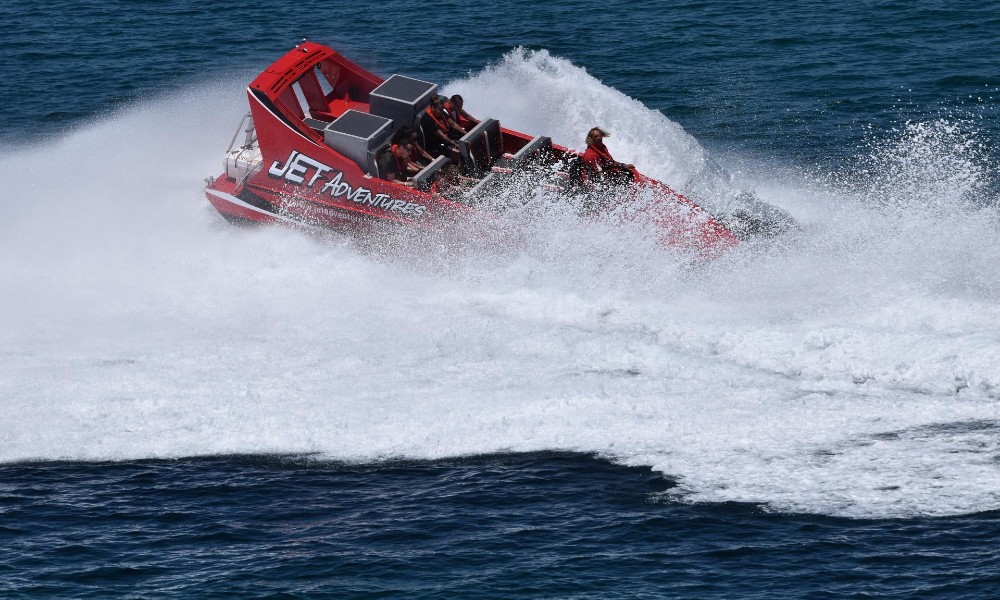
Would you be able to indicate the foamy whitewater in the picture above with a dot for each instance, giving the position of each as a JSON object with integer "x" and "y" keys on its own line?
{"x": 852, "y": 368}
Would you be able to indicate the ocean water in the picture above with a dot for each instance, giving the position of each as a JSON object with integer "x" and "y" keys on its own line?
{"x": 193, "y": 410}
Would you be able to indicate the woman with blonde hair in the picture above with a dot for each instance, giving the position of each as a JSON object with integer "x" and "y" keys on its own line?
{"x": 598, "y": 164}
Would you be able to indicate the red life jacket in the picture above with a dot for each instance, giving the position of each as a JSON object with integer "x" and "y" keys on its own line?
{"x": 400, "y": 171}
{"x": 603, "y": 155}
{"x": 595, "y": 160}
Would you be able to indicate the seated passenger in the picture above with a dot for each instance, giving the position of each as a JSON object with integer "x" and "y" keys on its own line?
{"x": 455, "y": 130}
{"x": 438, "y": 129}
{"x": 417, "y": 153}
{"x": 403, "y": 152}
{"x": 386, "y": 161}
{"x": 457, "y": 114}
{"x": 449, "y": 183}
{"x": 599, "y": 166}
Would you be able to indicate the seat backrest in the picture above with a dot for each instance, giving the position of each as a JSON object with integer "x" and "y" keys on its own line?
{"x": 421, "y": 136}
{"x": 538, "y": 149}
{"x": 358, "y": 135}
{"x": 482, "y": 146}
{"x": 422, "y": 180}
{"x": 487, "y": 182}
{"x": 401, "y": 99}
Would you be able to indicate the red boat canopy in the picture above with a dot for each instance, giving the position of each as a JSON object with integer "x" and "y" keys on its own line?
{"x": 314, "y": 79}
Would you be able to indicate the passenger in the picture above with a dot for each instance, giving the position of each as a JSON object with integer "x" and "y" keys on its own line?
{"x": 455, "y": 129}
{"x": 387, "y": 165}
{"x": 457, "y": 114}
{"x": 437, "y": 129}
{"x": 403, "y": 153}
{"x": 598, "y": 164}
{"x": 449, "y": 183}
{"x": 386, "y": 160}
{"x": 417, "y": 154}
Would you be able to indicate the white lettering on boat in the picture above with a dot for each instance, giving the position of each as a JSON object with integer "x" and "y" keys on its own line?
{"x": 298, "y": 165}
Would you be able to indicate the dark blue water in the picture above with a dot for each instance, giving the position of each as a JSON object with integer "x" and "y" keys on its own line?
{"x": 535, "y": 526}
{"x": 810, "y": 85}
{"x": 800, "y": 81}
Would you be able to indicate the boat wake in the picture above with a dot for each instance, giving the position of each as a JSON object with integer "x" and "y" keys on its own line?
{"x": 849, "y": 369}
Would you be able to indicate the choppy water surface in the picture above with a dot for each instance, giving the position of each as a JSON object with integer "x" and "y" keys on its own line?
{"x": 527, "y": 525}
{"x": 583, "y": 415}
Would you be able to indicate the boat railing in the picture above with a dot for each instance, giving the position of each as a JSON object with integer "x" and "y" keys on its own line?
{"x": 250, "y": 134}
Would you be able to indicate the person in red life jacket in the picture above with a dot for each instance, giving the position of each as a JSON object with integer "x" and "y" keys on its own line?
{"x": 456, "y": 113}
{"x": 598, "y": 164}
{"x": 417, "y": 152}
{"x": 388, "y": 167}
{"x": 403, "y": 153}
{"x": 437, "y": 129}
{"x": 386, "y": 161}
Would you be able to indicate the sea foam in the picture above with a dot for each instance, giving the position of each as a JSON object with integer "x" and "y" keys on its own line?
{"x": 849, "y": 368}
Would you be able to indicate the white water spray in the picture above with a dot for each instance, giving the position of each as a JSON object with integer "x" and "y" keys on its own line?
{"x": 850, "y": 370}
{"x": 552, "y": 96}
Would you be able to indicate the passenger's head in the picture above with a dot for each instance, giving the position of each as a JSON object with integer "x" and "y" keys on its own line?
{"x": 437, "y": 103}
{"x": 401, "y": 135}
{"x": 457, "y": 101}
{"x": 596, "y": 134}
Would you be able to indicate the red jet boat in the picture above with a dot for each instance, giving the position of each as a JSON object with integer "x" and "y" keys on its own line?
{"x": 318, "y": 125}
